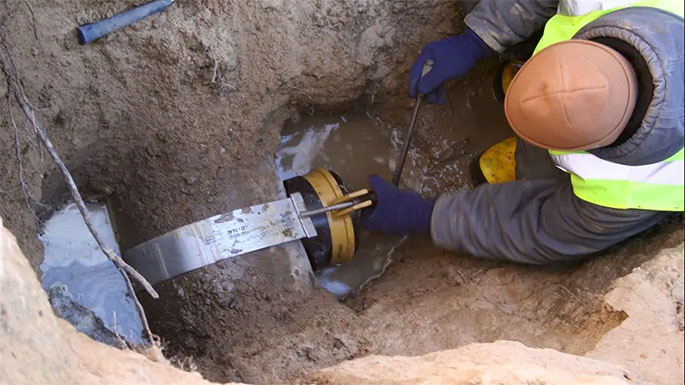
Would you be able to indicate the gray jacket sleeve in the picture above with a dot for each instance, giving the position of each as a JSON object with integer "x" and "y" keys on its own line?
{"x": 503, "y": 23}
{"x": 535, "y": 221}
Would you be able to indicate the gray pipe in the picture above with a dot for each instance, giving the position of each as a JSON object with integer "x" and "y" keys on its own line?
{"x": 98, "y": 29}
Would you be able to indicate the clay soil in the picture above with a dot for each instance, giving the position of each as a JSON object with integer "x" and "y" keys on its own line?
{"x": 177, "y": 118}
{"x": 430, "y": 300}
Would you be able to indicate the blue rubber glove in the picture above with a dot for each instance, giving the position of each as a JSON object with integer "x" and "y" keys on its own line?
{"x": 453, "y": 57}
{"x": 397, "y": 213}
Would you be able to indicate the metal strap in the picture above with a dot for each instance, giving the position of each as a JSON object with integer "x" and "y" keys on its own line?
{"x": 222, "y": 236}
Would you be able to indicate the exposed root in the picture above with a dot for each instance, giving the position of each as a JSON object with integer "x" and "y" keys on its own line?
{"x": 20, "y": 168}
{"x": 33, "y": 19}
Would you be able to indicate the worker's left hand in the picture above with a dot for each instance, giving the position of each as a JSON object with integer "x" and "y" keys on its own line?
{"x": 452, "y": 57}
{"x": 397, "y": 212}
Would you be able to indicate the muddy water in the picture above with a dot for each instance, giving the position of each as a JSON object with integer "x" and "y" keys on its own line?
{"x": 450, "y": 138}
{"x": 85, "y": 287}
{"x": 353, "y": 145}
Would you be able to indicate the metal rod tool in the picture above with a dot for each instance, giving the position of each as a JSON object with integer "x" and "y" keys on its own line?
{"x": 326, "y": 209}
{"x": 427, "y": 66}
{"x": 353, "y": 201}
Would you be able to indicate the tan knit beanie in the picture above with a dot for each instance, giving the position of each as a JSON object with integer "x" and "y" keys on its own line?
{"x": 573, "y": 95}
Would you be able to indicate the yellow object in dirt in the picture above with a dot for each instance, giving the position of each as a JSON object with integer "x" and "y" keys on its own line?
{"x": 341, "y": 227}
{"x": 502, "y": 80}
{"x": 498, "y": 163}
{"x": 508, "y": 73}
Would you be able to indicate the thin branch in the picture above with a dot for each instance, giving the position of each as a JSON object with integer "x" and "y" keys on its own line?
{"x": 35, "y": 131}
{"x": 122, "y": 342}
{"x": 140, "y": 309}
{"x": 12, "y": 74}
{"x": 215, "y": 71}
{"x": 33, "y": 19}
{"x": 570, "y": 293}
{"x": 20, "y": 167}
{"x": 16, "y": 89}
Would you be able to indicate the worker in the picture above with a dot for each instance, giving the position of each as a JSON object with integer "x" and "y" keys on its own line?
{"x": 598, "y": 111}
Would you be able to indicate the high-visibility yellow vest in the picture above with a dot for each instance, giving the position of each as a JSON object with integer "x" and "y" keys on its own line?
{"x": 657, "y": 186}
{"x": 563, "y": 27}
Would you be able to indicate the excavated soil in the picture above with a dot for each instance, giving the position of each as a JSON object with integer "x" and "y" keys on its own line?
{"x": 178, "y": 118}
{"x": 38, "y": 348}
{"x": 428, "y": 300}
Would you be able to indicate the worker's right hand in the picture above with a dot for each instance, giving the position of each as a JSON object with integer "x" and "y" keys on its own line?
{"x": 453, "y": 57}
{"x": 397, "y": 212}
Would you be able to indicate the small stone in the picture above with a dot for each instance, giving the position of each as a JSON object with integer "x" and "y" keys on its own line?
{"x": 190, "y": 179}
